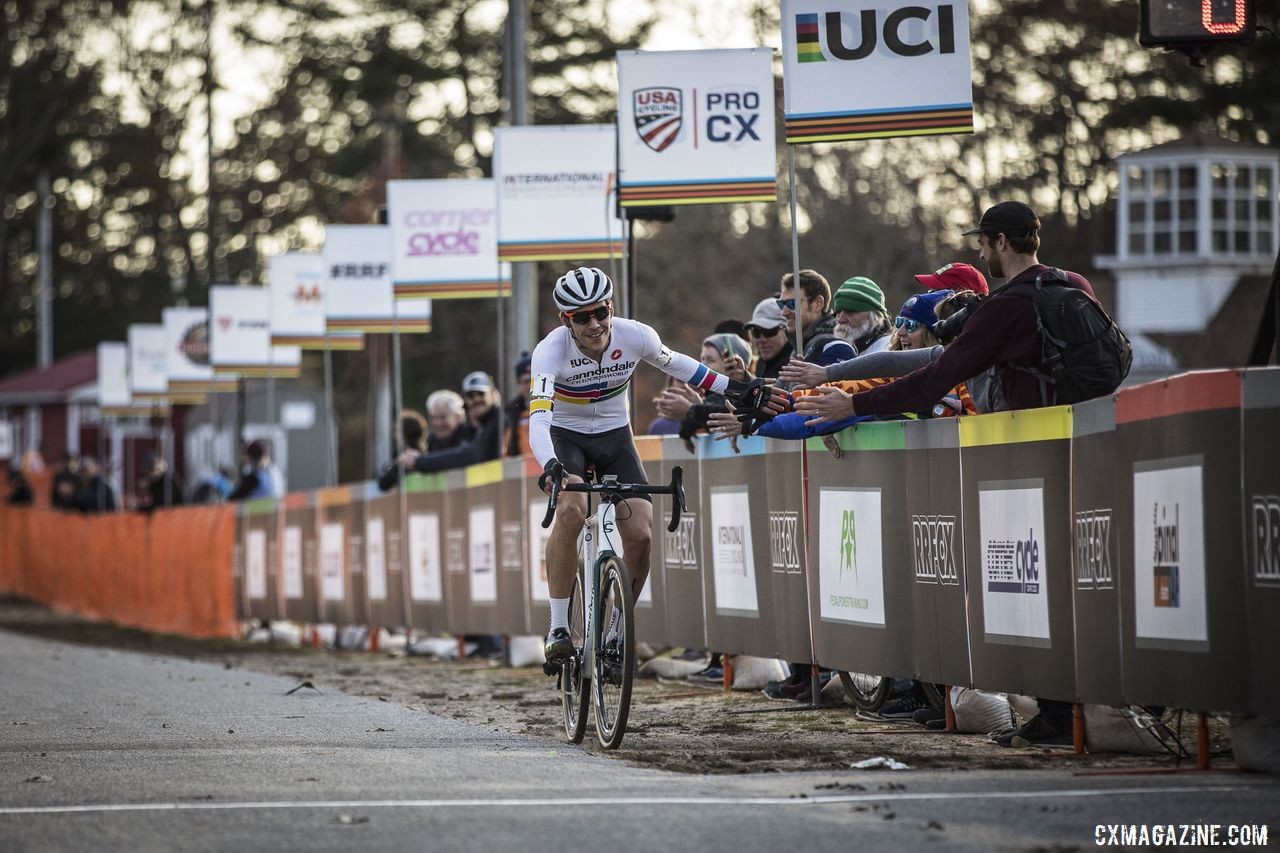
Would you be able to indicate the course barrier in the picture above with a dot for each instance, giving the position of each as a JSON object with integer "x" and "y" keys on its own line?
{"x": 1122, "y": 550}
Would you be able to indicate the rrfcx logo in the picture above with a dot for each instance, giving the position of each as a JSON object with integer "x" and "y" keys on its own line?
{"x": 659, "y": 115}
{"x": 681, "y": 550}
{"x": 1093, "y": 549}
{"x": 1265, "y": 527}
{"x": 784, "y": 536}
{"x": 933, "y": 543}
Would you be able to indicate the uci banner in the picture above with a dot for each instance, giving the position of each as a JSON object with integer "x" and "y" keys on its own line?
{"x": 901, "y": 69}
{"x": 444, "y": 239}
{"x": 186, "y": 341}
{"x": 359, "y": 296}
{"x": 555, "y": 187}
{"x": 696, "y": 127}
{"x": 297, "y": 282}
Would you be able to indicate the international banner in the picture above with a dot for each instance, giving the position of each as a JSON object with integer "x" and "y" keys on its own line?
{"x": 186, "y": 341}
{"x": 696, "y": 127}
{"x": 240, "y": 335}
{"x": 901, "y": 69}
{"x": 555, "y": 193}
{"x": 444, "y": 239}
{"x": 359, "y": 296}
{"x": 297, "y": 282}
{"x": 148, "y": 371}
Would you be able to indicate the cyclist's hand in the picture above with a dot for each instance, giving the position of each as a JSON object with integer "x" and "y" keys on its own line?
{"x": 802, "y": 373}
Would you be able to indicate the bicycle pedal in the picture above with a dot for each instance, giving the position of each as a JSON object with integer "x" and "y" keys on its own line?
{"x": 551, "y": 669}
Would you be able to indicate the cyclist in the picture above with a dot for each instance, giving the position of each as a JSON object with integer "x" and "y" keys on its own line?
{"x": 578, "y": 417}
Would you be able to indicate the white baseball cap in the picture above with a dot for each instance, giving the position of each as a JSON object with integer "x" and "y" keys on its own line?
{"x": 477, "y": 381}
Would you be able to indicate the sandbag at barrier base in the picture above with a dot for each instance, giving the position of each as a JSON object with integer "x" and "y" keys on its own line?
{"x": 669, "y": 666}
{"x": 752, "y": 673}
{"x": 1256, "y": 743}
{"x": 1122, "y": 729}
{"x": 981, "y": 712}
{"x": 526, "y": 651}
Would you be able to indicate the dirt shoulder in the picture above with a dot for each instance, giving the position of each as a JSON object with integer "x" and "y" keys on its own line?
{"x": 674, "y": 726}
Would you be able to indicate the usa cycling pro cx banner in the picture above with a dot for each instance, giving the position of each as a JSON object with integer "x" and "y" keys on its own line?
{"x": 898, "y": 69}
{"x": 358, "y": 294}
{"x": 444, "y": 239}
{"x": 186, "y": 341}
{"x": 555, "y": 193}
{"x": 298, "y": 281}
{"x": 696, "y": 127}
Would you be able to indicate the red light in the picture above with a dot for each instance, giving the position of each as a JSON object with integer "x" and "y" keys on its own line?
{"x": 1228, "y": 28}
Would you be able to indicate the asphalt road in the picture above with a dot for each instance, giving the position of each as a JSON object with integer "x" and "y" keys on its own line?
{"x": 108, "y": 750}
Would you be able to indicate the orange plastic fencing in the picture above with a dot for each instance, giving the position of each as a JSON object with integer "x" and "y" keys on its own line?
{"x": 169, "y": 571}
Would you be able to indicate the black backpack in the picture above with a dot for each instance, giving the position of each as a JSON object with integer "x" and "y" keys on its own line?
{"x": 1083, "y": 352}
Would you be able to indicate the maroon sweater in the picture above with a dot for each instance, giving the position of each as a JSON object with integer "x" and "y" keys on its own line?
{"x": 1002, "y": 331}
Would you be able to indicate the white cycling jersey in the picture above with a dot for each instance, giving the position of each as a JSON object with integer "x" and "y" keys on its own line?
{"x": 571, "y": 390}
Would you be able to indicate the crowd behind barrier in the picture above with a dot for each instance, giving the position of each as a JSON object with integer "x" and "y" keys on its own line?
{"x": 1124, "y": 550}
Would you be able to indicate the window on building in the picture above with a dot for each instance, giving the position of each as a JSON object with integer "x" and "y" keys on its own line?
{"x": 1162, "y": 209}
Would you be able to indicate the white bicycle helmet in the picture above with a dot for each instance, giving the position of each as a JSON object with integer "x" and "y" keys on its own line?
{"x": 583, "y": 286}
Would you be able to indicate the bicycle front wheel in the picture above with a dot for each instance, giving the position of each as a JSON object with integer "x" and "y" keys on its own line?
{"x": 615, "y": 661}
{"x": 575, "y": 695}
{"x": 864, "y": 692}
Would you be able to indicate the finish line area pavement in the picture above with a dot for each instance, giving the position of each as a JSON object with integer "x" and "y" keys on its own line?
{"x": 109, "y": 750}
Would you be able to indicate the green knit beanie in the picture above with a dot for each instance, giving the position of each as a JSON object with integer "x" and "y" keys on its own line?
{"x": 859, "y": 294}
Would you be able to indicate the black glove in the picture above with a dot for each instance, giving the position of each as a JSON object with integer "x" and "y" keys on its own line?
{"x": 749, "y": 397}
{"x": 553, "y": 470}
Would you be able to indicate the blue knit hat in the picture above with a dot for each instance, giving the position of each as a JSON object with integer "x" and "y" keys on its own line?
{"x": 921, "y": 307}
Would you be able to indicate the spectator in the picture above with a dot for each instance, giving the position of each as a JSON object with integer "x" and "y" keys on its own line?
{"x": 1002, "y": 334}
{"x": 821, "y": 345}
{"x": 731, "y": 327}
{"x": 767, "y": 330}
{"x": 213, "y": 488}
{"x": 484, "y": 413}
{"x": 663, "y": 425}
{"x": 448, "y": 419}
{"x": 20, "y": 493}
{"x": 96, "y": 495}
{"x": 913, "y": 327}
{"x": 66, "y": 483}
{"x": 956, "y": 277}
{"x": 861, "y": 317}
{"x": 259, "y": 476}
{"x": 160, "y": 486}
{"x": 518, "y": 410}
{"x": 413, "y": 432}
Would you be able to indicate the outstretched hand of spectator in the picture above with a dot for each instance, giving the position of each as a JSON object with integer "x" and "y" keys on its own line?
{"x": 724, "y": 425}
{"x": 804, "y": 374}
{"x": 827, "y": 405}
{"x": 675, "y": 402}
{"x": 406, "y": 458}
{"x": 736, "y": 368}
{"x": 833, "y": 444}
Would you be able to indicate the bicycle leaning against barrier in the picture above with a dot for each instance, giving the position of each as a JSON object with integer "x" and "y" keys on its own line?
{"x": 599, "y": 672}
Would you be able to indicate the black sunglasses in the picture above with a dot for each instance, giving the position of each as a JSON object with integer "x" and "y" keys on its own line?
{"x": 582, "y": 318}
{"x": 757, "y": 332}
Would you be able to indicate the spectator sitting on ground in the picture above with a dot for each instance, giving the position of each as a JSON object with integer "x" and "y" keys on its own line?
{"x": 413, "y": 432}
{"x": 66, "y": 483}
{"x": 821, "y": 345}
{"x": 259, "y": 476}
{"x": 517, "y": 425}
{"x": 447, "y": 416}
{"x": 483, "y": 409}
{"x": 767, "y": 332}
{"x": 96, "y": 494}
{"x": 160, "y": 487}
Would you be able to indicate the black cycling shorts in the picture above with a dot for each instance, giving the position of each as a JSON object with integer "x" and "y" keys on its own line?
{"x": 612, "y": 452}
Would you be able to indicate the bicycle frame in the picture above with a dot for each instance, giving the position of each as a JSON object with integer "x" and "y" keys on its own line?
{"x": 599, "y": 538}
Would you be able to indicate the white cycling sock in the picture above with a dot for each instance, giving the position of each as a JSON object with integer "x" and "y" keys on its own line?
{"x": 559, "y": 613}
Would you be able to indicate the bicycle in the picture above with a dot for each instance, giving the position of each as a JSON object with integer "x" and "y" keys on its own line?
{"x": 600, "y": 672}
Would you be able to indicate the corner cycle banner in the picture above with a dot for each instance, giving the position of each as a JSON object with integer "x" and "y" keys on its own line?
{"x": 240, "y": 335}
{"x": 696, "y": 127}
{"x": 186, "y": 342}
{"x": 897, "y": 69}
{"x": 148, "y": 371}
{"x": 444, "y": 239}
{"x": 297, "y": 282}
{"x": 555, "y": 193}
{"x": 359, "y": 296}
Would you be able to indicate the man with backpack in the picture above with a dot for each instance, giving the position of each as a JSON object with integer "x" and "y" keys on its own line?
{"x": 1045, "y": 340}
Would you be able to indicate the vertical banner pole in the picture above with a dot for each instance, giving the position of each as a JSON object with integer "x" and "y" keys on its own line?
{"x": 271, "y": 410}
{"x": 804, "y": 457}
{"x": 331, "y": 458}
{"x": 397, "y": 441}
{"x": 166, "y": 436}
{"x": 499, "y": 376}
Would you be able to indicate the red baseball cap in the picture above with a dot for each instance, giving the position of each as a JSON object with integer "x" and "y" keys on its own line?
{"x": 955, "y": 277}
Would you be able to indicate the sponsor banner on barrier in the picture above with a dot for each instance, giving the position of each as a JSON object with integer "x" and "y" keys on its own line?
{"x": 900, "y": 69}
{"x": 359, "y": 296}
{"x": 555, "y": 193}
{"x": 483, "y": 555}
{"x": 1093, "y": 549}
{"x": 333, "y": 551}
{"x": 850, "y": 562}
{"x": 444, "y": 239}
{"x": 375, "y": 558}
{"x": 186, "y": 342}
{"x": 1264, "y": 539}
{"x": 680, "y": 549}
{"x": 425, "y": 582}
{"x": 732, "y": 559}
{"x": 696, "y": 127}
{"x": 785, "y": 542}
{"x": 148, "y": 366}
{"x": 1170, "y": 601}
{"x": 1015, "y": 586}
{"x": 292, "y": 561}
{"x": 255, "y": 561}
{"x": 933, "y": 545}
{"x": 538, "y": 589}
{"x": 113, "y": 375}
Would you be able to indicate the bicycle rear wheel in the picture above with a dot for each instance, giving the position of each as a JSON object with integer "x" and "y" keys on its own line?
{"x": 575, "y": 694}
{"x": 864, "y": 692}
{"x": 615, "y": 664}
